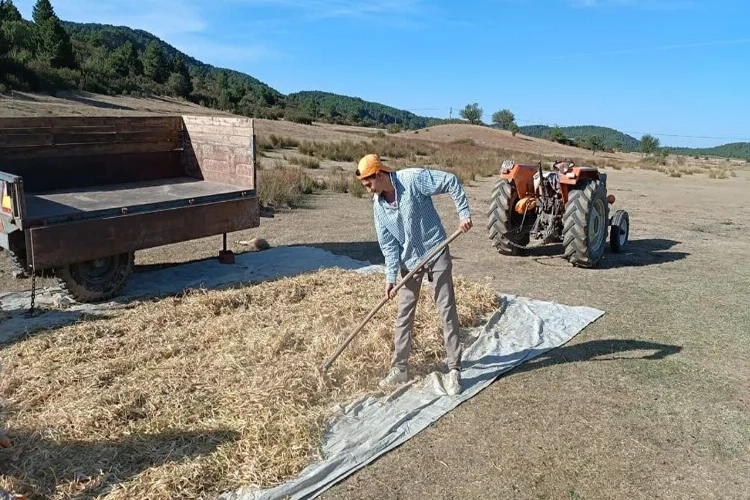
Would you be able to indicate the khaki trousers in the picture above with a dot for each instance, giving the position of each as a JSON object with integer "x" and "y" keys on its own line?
{"x": 440, "y": 279}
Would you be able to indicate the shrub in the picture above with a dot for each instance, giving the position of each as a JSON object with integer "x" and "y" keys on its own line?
{"x": 283, "y": 187}
{"x": 356, "y": 188}
{"x": 283, "y": 142}
{"x": 304, "y": 161}
{"x": 338, "y": 184}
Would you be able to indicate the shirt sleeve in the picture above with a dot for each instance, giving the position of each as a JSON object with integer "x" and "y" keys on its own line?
{"x": 390, "y": 248}
{"x": 431, "y": 182}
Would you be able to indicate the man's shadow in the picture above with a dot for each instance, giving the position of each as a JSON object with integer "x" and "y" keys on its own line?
{"x": 591, "y": 351}
{"x": 42, "y": 466}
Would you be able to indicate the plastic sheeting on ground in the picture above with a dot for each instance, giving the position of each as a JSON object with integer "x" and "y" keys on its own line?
{"x": 251, "y": 266}
{"x": 520, "y": 330}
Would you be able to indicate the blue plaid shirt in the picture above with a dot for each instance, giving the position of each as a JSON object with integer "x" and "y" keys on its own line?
{"x": 411, "y": 228}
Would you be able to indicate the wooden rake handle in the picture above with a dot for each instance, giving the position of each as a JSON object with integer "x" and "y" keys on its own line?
{"x": 401, "y": 283}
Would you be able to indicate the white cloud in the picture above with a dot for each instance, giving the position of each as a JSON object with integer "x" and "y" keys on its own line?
{"x": 184, "y": 24}
{"x": 391, "y": 12}
{"x": 163, "y": 18}
{"x": 639, "y": 4}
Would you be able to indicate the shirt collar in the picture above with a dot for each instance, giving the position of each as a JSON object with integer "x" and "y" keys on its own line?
{"x": 397, "y": 186}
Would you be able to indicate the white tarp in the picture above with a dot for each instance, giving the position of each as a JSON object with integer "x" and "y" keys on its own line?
{"x": 251, "y": 266}
{"x": 520, "y": 330}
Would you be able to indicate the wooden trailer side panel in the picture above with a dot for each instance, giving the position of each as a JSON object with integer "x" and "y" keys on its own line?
{"x": 60, "y": 244}
{"x": 53, "y": 153}
{"x": 220, "y": 149}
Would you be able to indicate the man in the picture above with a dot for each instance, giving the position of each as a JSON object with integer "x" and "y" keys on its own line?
{"x": 409, "y": 228}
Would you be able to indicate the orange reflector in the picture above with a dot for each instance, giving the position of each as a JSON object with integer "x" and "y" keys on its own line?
{"x": 611, "y": 199}
{"x": 524, "y": 204}
{"x": 7, "y": 202}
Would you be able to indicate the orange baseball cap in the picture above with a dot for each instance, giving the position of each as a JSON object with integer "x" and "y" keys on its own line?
{"x": 370, "y": 165}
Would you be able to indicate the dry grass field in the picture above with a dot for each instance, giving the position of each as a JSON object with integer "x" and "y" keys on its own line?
{"x": 651, "y": 401}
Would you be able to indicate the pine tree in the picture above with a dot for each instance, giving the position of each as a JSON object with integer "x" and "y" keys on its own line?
{"x": 154, "y": 66}
{"x": 42, "y": 11}
{"x": 9, "y": 12}
{"x": 54, "y": 43}
{"x": 17, "y": 38}
{"x": 124, "y": 61}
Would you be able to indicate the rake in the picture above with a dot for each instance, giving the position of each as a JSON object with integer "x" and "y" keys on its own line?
{"x": 374, "y": 311}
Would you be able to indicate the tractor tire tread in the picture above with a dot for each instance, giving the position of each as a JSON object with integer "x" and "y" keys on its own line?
{"x": 499, "y": 220}
{"x": 575, "y": 223}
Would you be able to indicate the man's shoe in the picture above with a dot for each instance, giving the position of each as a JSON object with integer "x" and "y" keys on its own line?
{"x": 452, "y": 382}
{"x": 395, "y": 376}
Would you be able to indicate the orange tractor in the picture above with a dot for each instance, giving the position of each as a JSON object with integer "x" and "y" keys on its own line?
{"x": 568, "y": 204}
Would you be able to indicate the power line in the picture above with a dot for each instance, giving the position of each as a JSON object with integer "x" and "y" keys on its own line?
{"x": 539, "y": 122}
{"x": 631, "y": 132}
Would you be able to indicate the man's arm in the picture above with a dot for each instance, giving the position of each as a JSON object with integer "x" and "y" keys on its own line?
{"x": 391, "y": 250}
{"x": 431, "y": 182}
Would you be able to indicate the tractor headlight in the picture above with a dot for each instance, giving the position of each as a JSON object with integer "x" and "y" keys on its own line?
{"x": 507, "y": 166}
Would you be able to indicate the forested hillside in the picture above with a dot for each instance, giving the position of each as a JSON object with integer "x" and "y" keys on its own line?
{"x": 46, "y": 54}
{"x": 732, "y": 150}
{"x": 582, "y": 135}
{"x": 356, "y": 110}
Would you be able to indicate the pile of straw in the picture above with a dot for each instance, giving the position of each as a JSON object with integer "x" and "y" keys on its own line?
{"x": 192, "y": 395}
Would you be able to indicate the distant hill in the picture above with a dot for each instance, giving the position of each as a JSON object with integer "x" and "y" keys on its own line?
{"x": 740, "y": 150}
{"x": 117, "y": 60}
{"x": 356, "y": 110}
{"x": 580, "y": 135}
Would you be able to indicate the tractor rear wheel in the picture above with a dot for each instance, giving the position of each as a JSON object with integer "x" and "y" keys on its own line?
{"x": 504, "y": 222}
{"x": 96, "y": 280}
{"x": 585, "y": 224}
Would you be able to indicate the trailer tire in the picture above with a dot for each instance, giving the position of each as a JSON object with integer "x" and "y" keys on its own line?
{"x": 18, "y": 263}
{"x": 96, "y": 280}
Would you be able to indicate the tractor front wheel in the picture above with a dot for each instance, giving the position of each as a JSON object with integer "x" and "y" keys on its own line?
{"x": 620, "y": 231}
{"x": 585, "y": 224}
{"x": 96, "y": 280}
{"x": 504, "y": 223}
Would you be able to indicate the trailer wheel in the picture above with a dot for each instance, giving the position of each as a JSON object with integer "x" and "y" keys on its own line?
{"x": 18, "y": 263}
{"x": 96, "y": 280}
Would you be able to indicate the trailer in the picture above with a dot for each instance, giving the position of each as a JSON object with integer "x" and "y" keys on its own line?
{"x": 81, "y": 194}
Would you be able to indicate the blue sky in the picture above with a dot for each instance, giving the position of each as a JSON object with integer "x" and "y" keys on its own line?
{"x": 666, "y": 67}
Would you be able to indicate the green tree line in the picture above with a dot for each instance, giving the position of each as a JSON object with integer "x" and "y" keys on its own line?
{"x": 46, "y": 54}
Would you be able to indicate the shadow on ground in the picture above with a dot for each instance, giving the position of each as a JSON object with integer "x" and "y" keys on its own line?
{"x": 368, "y": 251}
{"x": 599, "y": 350}
{"x": 592, "y": 351}
{"x": 92, "y": 102}
{"x": 45, "y": 466}
{"x": 637, "y": 253}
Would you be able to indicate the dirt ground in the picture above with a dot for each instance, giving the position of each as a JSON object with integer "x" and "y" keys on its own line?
{"x": 651, "y": 401}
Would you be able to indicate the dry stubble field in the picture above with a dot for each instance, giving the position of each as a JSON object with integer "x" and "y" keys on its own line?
{"x": 651, "y": 401}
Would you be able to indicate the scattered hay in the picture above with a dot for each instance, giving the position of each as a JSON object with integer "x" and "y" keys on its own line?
{"x": 189, "y": 396}
{"x": 256, "y": 244}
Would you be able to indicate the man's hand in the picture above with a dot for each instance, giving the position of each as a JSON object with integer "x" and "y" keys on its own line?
{"x": 465, "y": 225}
{"x": 389, "y": 290}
